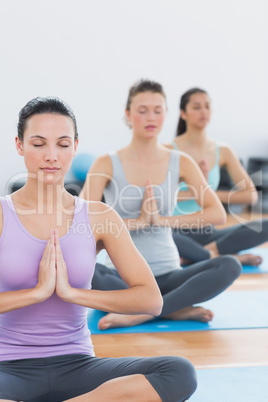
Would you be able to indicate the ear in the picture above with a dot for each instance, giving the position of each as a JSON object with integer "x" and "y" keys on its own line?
{"x": 127, "y": 113}
{"x": 75, "y": 146}
{"x": 19, "y": 146}
{"x": 183, "y": 114}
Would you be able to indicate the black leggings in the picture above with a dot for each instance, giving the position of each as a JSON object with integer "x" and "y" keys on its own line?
{"x": 230, "y": 240}
{"x": 183, "y": 287}
{"x": 58, "y": 378}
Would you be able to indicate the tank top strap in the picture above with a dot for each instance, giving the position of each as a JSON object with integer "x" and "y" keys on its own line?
{"x": 80, "y": 210}
{"x": 8, "y": 208}
{"x": 175, "y": 146}
{"x": 10, "y": 218}
{"x": 5, "y": 212}
{"x": 174, "y": 166}
{"x": 217, "y": 154}
{"x": 118, "y": 171}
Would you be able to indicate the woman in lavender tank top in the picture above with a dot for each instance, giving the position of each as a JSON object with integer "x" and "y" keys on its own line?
{"x": 141, "y": 181}
{"x": 48, "y": 246}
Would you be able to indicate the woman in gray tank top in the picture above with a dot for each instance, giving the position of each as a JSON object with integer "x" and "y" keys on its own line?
{"x": 141, "y": 182}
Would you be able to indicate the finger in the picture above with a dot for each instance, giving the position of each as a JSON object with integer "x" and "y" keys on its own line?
{"x": 59, "y": 255}
{"x": 150, "y": 188}
{"x": 51, "y": 249}
{"x": 145, "y": 191}
{"x": 46, "y": 250}
{"x": 52, "y": 259}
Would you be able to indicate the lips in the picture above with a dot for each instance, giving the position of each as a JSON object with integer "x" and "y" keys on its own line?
{"x": 50, "y": 169}
{"x": 151, "y": 127}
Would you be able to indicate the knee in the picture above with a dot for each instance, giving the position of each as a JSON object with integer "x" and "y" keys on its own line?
{"x": 185, "y": 379}
{"x": 232, "y": 266}
{"x": 265, "y": 226}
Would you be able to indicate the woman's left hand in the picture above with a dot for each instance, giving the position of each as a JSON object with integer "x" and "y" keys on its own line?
{"x": 203, "y": 164}
{"x": 62, "y": 283}
{"x": 153, "y": 207}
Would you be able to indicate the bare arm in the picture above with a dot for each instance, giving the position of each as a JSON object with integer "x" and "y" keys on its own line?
{"x": 244, "y": 191}
{"x": 143, "y": 295}
{"x": 212, "y": 211}
{"x": 98, "y": 177}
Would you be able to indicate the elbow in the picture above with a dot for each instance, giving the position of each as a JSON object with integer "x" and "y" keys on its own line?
{"x": 254, "y": 197}
{"x": 158, "y": 309}
{"x": 157, "y": 305}
{"x": 221, "y": 216}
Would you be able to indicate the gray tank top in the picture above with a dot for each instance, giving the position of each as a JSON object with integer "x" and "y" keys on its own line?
{"x": 154, "y": 243}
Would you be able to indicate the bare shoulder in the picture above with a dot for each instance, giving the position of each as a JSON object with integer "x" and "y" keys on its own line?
{"x": 187, "y": 165}
{"x": 103, "y": 164}
{"x": 97, "y": 207}
{"x": 104, "y": 221}
{"x": 226, "y": 153}
{"x": 100, "y": 212}
{"x": 186, "y": 159}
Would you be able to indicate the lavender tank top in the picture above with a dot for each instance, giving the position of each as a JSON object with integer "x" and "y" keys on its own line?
{"x": 53, "y": 327}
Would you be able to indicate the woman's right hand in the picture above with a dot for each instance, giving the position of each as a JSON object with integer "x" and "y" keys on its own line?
{"x": 47, "y": 270}
{"x": 203, "y": 164}
{"x": 145, "y": 217}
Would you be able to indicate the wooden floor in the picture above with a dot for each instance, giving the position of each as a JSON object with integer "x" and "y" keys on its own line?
{"x": 205, "y": 349}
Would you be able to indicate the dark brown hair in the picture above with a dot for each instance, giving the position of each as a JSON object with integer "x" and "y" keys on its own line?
{"x": 144, "y": 86}
{"x": 181, "y": 128}
{"x": 44, "y": 105}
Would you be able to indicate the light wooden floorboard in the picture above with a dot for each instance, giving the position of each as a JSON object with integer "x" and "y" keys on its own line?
{"x": 250, "y": 282}
{"x": 205, "y": 349}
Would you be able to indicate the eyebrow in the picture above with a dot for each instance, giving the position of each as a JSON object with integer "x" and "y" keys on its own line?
{"x": 43, "y": 138}
{"x": 149, "y": 106}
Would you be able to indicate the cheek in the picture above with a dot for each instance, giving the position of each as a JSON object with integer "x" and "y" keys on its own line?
{"x": 31, "y": 157}
{"x": 67, "y": 158}
{"x": 161, "y": 119}
{"x": 193, "y": 115}
{"x": 138, "y": 119}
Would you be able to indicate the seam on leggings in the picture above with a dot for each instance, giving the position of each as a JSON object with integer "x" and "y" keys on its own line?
{"x": 155, "y": 384}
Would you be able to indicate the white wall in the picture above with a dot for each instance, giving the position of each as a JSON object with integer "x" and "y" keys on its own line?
{"x": 89, "y": 52}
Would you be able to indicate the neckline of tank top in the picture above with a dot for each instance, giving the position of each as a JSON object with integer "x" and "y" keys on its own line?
{"x": 135, "y": 185}
{"x": 11, "y": 204}
{"x": 217, "y": 160}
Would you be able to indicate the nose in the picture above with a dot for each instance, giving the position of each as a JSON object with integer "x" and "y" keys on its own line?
{"x": 51, "y": 154}
{"x": 150, "y": 115}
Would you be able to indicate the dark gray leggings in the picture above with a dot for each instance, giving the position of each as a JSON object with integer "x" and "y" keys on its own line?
{"x": 183, "y": 287}
{"x": 58, "y": 378}
{"x": 230, "y": 240}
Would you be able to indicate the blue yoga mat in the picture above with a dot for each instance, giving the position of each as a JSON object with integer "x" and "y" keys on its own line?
{"x": 239, "y": 384}
{"x": 263, "y": 267}
{"x": 233, "y": 310}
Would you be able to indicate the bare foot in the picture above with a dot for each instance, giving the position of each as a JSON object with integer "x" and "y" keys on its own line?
{"x": 113, "y": 320}
{"x": 213, "y": 249}
{"x": 185, "y": 261}
{"x": 249, "y": 259}
{"x": 191, "y": 313}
